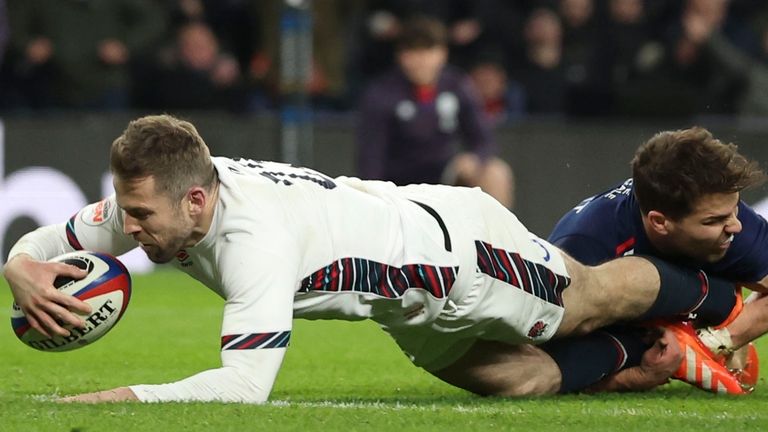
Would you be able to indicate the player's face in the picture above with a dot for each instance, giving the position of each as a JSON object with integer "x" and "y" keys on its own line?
{"x": 158, "y": 223}
{"x": 707, "y": 233}
{"x": 423, "y": 65}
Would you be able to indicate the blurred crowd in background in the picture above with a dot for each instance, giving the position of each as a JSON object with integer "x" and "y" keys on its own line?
{"x": 569, "y": 58}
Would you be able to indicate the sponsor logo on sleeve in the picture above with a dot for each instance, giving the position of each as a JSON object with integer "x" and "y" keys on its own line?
{"x": 97, "y": 214}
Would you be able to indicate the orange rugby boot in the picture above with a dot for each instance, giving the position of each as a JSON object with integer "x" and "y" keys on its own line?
{"x": 700, "y": 367}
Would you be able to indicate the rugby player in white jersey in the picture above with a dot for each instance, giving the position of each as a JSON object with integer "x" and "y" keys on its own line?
{"x": 439, "y": 268}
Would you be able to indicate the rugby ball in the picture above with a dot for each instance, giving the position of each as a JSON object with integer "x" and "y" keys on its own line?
{"x": 106, "y": 288}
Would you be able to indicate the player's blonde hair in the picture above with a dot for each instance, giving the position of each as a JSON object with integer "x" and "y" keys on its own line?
{"x": 674, "y": 169}
{"x": 166, "y": 148}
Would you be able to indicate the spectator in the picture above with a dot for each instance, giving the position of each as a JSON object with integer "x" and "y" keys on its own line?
{"x": 75, "y": 54}
{"x": 473, "y": 26}
{"x": 195, "y": 74}
{"x": 674, "y": 75}
{"x": 626, "y": 48}
{"x": 4, "y": 30}
{"x": 234, "y": 22}
{"x": 412, "y": 118}
{"x": 500, "y": 98}
{"x": 541, "y": 71}
{"x": 586, "y": 90}
{"x": 690, "y": 81}
{"x": 747, "y": 74}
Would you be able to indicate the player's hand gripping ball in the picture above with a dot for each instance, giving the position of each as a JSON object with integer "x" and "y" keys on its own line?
{"x": 106, "y": 288}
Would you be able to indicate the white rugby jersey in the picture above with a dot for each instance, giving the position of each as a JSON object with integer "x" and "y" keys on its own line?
{"x": 291, "y": 242}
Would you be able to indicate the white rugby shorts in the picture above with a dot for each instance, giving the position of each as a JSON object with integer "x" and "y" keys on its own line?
{"x": 511, "y": 293}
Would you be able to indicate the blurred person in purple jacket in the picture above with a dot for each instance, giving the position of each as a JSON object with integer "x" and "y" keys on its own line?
{"x": 413, "y": 118}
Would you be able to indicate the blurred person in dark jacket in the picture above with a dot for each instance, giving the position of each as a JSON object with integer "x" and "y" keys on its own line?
{"x": 195, "y": 74}
{"x": 697, "y": 82}
{"x": 501, "y": 99}
{"x": 627, "y": 48}
{"x": 541, "y": 71}
{"x": 747, "y": 74}
{"x": 586, "y": 90}
{"x": 76, "y": 53}
{"x": 413, "y": 118}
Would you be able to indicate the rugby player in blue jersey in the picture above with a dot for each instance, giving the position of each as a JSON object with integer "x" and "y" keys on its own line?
{"x": 682, "y": 204}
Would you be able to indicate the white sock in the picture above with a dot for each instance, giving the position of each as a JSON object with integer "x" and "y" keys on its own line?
{"x": 717, "y": 340}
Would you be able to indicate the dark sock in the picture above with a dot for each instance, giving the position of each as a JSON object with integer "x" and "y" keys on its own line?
{"x": 585, "y": 360}
{"x": 689, "y": 294}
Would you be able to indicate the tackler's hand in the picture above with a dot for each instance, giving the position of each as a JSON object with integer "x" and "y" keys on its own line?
{"x": 657, "y": 366}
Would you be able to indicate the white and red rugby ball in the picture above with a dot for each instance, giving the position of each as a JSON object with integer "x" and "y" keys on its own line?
{"x": 106, "y": 288}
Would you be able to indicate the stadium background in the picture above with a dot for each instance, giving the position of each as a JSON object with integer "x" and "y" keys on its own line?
{"x": 623, "y": 74}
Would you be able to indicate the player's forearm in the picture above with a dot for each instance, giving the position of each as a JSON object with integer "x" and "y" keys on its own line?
{"x": 41, "y": 244}
{"x": 751, "y": 323}
{"x": 246, "y": 377}
{"x": 217, "y": 385}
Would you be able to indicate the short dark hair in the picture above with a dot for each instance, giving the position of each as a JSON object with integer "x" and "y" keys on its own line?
{"x": 674, "y": 169}
{"x": 422, "y": 32}
{"x": 166, "y": 148}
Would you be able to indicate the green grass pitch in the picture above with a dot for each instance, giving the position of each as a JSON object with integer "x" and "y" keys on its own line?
{"x": 336, "y": 376}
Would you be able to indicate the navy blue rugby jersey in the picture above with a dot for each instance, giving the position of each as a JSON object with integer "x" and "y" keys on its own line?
{"x": 609, "y": 225}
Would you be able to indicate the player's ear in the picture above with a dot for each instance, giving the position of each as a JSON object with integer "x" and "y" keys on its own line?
{"x": 196, "y": 199}
{"x": 657, "y": 222}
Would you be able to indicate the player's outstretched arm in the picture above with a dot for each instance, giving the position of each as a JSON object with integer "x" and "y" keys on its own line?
{"x": 46, "y": 308}
{"x": 246, "y": 377}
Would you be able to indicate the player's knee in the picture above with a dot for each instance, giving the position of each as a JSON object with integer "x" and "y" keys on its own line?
{"x": 525, "y": 387}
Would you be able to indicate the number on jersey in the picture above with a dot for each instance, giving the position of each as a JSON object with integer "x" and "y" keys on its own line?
{"x": 281, "y": 173}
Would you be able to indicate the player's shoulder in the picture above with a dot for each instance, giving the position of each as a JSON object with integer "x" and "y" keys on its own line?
{"x": 253, "y": 198}
{"x": 609, "y": 205}
{"x": 100, "y": 213}
{"x": 607, "y": 216}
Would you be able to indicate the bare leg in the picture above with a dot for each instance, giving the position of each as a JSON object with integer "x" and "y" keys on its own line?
{"x": 497, "y": 369}
{"x": 618, "y": 290}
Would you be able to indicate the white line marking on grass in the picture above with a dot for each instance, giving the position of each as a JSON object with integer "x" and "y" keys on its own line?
{"x": 494, "y": 408}
{"x": 393, "y": 406}
{"x": 510, "y": 409}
